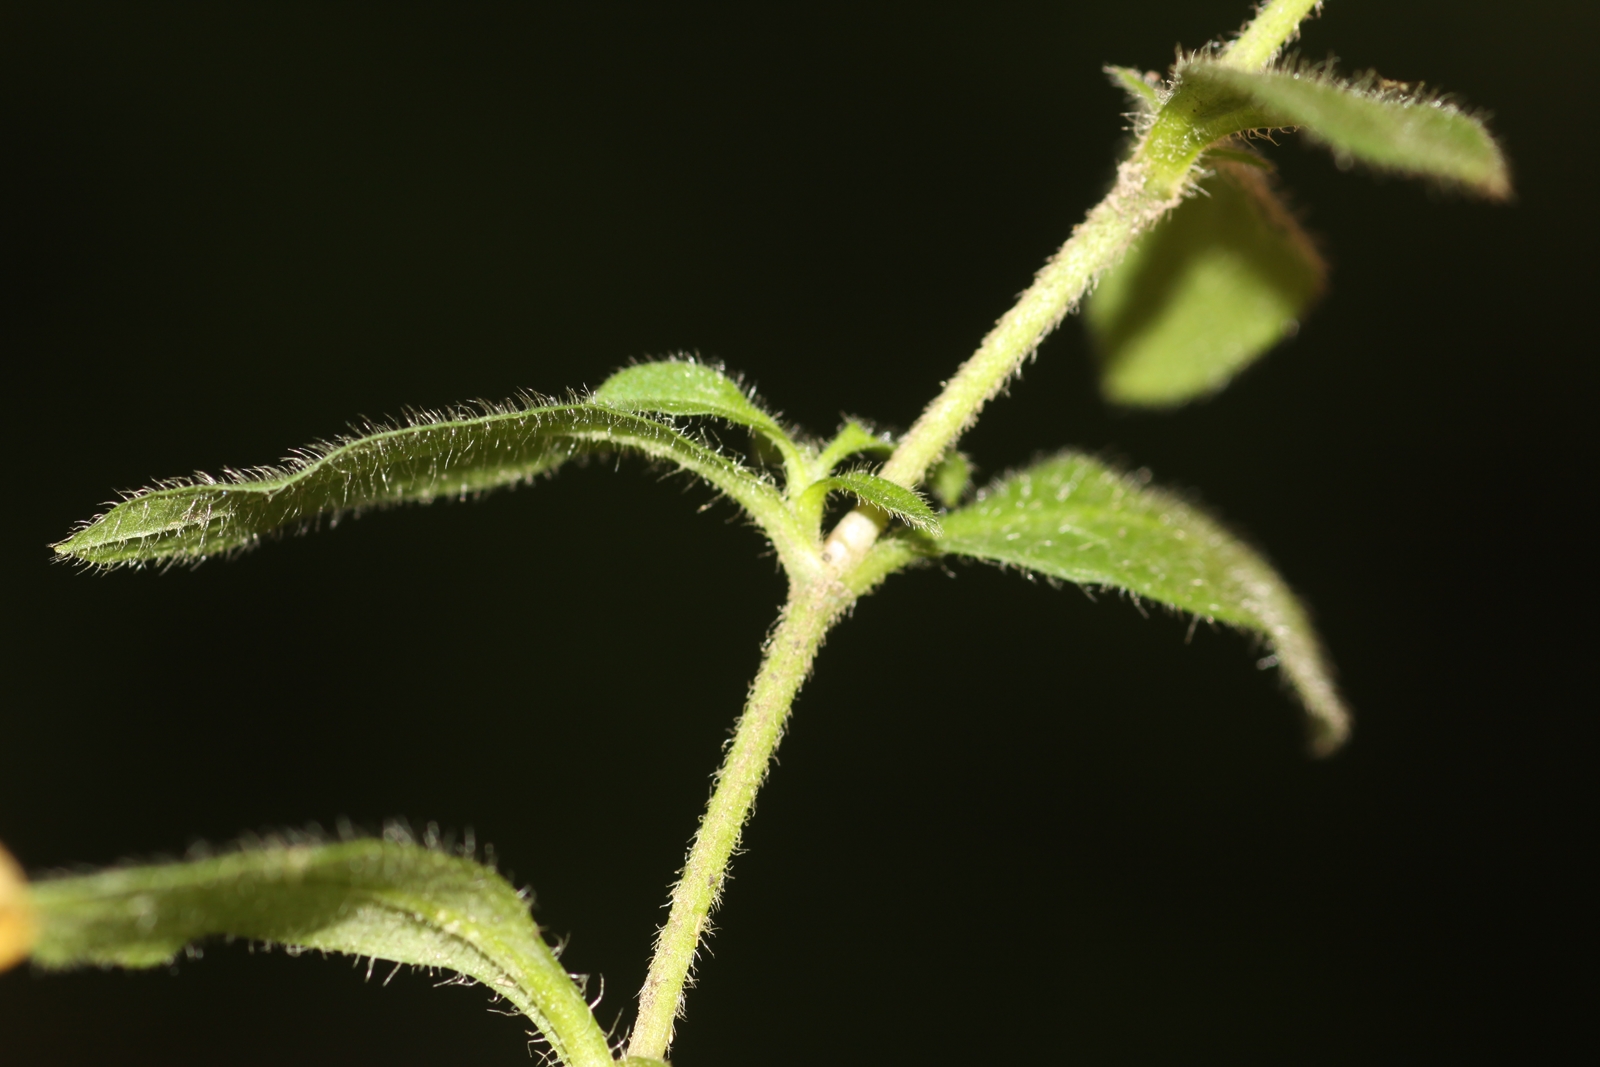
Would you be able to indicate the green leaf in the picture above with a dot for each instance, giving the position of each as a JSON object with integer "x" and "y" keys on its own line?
{"x": 384, "y": 899}
{"x": 1197, "y": 299}
{"x": 1073, "y": 518}
{"x": 904, "y": 504}
{"x": 853, "y": 439}
{"x": 454, "y": 454}
{"x": 1137, "y": 86}
{"x": 688, "y": 387}
{"x": 950, "y": 478}
{"x": 1383, "y": 124}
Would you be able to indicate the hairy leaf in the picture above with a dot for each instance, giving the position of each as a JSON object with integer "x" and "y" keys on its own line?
{"x": 688, "y": 387}
{"x": 383, "y": 899}
{"x": 904, "y": 504}
{"x": 450, "y": 455}
{"x": 1144, "y": 94}
{"x": 1219, "y": 282}
{"x": 1073, "y": 518}
{"x": 852, "y": 440}
{"x": 1382, "y": 124}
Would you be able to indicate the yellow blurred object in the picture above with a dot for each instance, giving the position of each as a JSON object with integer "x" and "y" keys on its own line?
{"x": 16, "y": 913}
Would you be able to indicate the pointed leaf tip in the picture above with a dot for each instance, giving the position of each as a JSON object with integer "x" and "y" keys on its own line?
{"x": 1073, "y": 518}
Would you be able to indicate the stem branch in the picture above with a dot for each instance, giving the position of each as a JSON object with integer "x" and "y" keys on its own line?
{"x": 1140, "y": 198}
{"x": 1095, "y": 245}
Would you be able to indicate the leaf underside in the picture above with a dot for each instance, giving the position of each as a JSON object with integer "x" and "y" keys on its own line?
{"x": 456, "y": 454}
{"x": 1075, "y": 519}
{"x": 1384, "y": 125}
{"x": 1213, "y": 287}
{"x": 383, "y": 899}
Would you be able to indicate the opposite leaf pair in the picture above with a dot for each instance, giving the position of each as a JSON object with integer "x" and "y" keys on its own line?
{"x": 1192, "y": 302}
{"x": 1069, "y": 518}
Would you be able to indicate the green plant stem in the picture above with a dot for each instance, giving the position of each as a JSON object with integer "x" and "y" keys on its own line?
{"x": 816, "y": 600}
{"x": 1142, "y": 195}
{"x": 1096, "y": 244}
{"x": 811, "y": 609}
{"x": 1275, "y": 25}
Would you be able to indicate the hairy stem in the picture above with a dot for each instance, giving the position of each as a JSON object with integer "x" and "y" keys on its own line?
{"x": 811, "y": 609}
{"x": 1275, "y": 25}
{"x": 1096, "y": 244}
{"x": 1140, "y": 198}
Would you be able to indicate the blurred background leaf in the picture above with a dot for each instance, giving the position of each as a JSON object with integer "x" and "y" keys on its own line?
{"x": 1213, "y": 287}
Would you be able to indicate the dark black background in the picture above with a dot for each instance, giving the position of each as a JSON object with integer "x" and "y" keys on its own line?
{"x": 1009, "y": 824}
